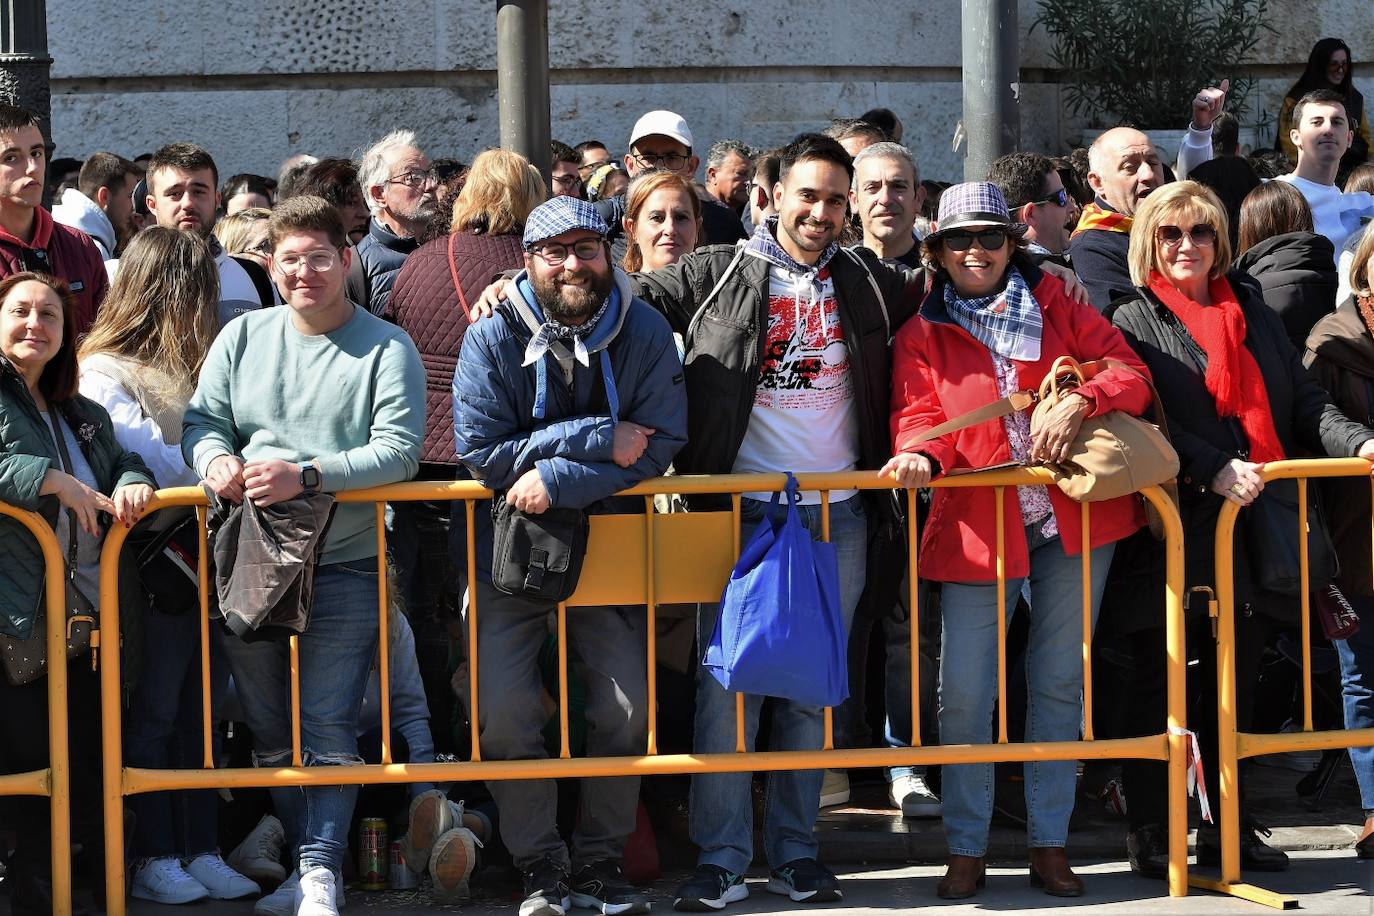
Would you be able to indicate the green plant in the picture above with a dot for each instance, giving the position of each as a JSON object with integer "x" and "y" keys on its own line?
{"x": 1143, "y": 62}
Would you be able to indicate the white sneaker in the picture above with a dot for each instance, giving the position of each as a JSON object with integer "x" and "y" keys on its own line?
{"x": 913, "y": 797}
{"x": 282, "y": 901}
{"x": 223, "y": 882}
{"x": 835, "y": 788}
{"x": 315, "y": 893}
{"x": 259, "y": 855}
{"x": 165, "y": 881}
{"x": 431, "y": 816}
{"x": 452, "y": 863}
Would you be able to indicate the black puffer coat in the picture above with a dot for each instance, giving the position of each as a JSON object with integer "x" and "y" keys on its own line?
{"x": 1297, "y": 271}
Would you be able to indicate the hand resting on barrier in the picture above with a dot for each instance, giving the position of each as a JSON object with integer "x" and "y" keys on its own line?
{"x": 528, "y": 494}
{"x": 909, "y": 469}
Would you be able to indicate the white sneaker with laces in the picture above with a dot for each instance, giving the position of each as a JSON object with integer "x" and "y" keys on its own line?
{"x": 223, "y": 882}
{"x": 431, "y": 816}
{"x": 835, "y": 788}
{"x": 259, "y": 855}
{"x": 282, "y": 901}
{"x": 913, "y": 797}
{"x": 165, "y": 881}
{"x": 315, "y": 893}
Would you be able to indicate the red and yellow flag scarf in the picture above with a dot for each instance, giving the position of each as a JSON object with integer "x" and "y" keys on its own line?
{"x": 1096, "y": 217}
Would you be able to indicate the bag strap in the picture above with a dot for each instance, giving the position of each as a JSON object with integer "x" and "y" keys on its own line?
{"x": 65, "y": 459}
{"x": 453, "y": 272}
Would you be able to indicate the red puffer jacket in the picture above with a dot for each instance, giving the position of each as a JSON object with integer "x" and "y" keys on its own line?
{"x": 425, "y": 303}
{"x": 940, "y": 371}
{"x": 63, "y": 252}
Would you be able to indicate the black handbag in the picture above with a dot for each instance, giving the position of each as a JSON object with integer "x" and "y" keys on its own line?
{"x": 26, "y": 660}
{"x": 169, "y": 567}
{"x": 537, "y": 556}
{"x": 1271, "y": 535}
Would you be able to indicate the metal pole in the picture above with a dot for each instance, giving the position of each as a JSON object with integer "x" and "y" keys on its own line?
{"x": 992, "y": 116}
{"x": 24, "y": 60}
{"x": 522, "y": 74}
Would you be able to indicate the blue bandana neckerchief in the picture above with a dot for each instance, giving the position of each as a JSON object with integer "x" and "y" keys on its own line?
{"x": 764, "y": 243}
{"x": 1008, "y": 323}
{"x": 551, "y": 331}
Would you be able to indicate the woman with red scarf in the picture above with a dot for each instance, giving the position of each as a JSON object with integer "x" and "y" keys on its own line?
{"x": 1235, "y": 396}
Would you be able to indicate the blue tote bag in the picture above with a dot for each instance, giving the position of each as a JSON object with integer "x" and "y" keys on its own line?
{"x": 780, "y": 631}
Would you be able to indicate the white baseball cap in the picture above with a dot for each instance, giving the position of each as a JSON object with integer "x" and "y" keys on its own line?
{"x": 662, "y": 123}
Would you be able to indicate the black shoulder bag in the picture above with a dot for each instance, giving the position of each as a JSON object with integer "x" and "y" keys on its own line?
{"x": 537, "y": 556}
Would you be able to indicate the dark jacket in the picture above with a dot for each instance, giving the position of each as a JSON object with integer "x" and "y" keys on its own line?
{"x": 1340, "y": 355}
{"x": 1297, "y": 271}
{"x": 1304, "y": 418}
{"x": 64, "y": 252}
{"x": 1231, "y": 177}
{"x": 719, "y": 224}
{"x": 265, "y": 559}
{"x": 499, "y": 438}
{"x": 382, "y": 253}
{"x": 27, "y": 452}
{"x": 424, "y": 302}
{"x": 725, "y": 334}
{"x": 1099, "y": 259}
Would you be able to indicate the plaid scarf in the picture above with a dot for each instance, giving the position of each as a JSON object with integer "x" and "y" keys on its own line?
{"x": 1095, "y": 216}
{"x": 1008, "y": 323}
{"x": 764, "y": 244}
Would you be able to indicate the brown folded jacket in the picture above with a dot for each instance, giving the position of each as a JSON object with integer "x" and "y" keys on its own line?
{"x": 264, "y": 559}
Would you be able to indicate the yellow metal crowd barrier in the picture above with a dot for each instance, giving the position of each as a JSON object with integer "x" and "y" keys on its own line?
{"x": 1234, "y": 746}
{"x": 55, "y": 780}
{"x": 649, "y": 559}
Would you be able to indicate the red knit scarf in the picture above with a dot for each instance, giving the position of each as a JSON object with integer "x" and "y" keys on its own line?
{"x": 1233, "y": 375}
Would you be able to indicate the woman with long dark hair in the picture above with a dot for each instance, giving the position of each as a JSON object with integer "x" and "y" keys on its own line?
{"x": 1329, "y": 66}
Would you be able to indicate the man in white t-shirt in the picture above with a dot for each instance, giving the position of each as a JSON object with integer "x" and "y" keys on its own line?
{"x": 1322, "y": 132}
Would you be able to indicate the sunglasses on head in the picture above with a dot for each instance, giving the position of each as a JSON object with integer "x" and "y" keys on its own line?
{"x": 988, "y": 239}
{"x": 1202, "y": 235}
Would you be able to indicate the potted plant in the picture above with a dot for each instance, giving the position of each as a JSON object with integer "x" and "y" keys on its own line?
{"x": 1141, "y": 64}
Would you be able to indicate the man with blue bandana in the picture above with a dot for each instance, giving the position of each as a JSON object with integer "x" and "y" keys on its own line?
{"x": 571, "y": 393}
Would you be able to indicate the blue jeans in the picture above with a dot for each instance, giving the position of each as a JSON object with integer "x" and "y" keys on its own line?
{"x": 720, "y": 816}
{"x": 164, "y": 729}
{"x": 897, "y": 681}
{"x": 1054, "y": 671}
{"x": 1357, "y": 688}
{"x": 336, "y": 653}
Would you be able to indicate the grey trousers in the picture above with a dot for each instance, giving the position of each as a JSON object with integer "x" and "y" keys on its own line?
{"x": 608, "y": 653}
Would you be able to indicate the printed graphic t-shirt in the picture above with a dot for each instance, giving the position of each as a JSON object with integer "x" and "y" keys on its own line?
{"x": 804, "y": 418}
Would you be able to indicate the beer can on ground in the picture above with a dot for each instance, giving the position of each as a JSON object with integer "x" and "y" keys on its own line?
{"x": 399, "y": 877}
{"x": 372, "y": 853}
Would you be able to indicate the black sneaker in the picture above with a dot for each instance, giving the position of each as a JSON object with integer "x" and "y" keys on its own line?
{"x": 546, "y": 889}
{"x": 1147, "y": 849}
{"x": 805, "y": 881}
{"x": 600, "y": 886}
{"x": 710, "y": 888}
{"x": 1255, "y": 854}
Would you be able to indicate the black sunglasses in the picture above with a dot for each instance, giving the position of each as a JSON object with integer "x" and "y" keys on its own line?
{"x": 1202, "y": 235}
{"x": 1059, "y": 198}
{"x": 988, "y": 239}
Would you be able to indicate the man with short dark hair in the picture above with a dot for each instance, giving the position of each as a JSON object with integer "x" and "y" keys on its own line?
{"x": 400, "y": 189}
{"x": 30, "y": 239}
{"x": 590, "y": 154}
{"x": 101, "y": 205}
{"x": 1322, "y": 132}
{"x": 854, "y": 134}
{"x": 761, "y": 182}
{"x": 1227, "y": 173}
{"x": 312, "y": 398}
{"x": 662, "y": 140}
{"x": 1035, "y": 196}
{"x": 728, "y": 166}
{"x": 886, "y": 120}
{"x": 183, "y": 193}
{"x": 601, "y": 371}
{"x": 565, "y": 179}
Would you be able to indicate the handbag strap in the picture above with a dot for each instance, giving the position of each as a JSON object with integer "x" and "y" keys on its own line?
{"x": 453, "y": 272}
{"x": 65, "y": 459}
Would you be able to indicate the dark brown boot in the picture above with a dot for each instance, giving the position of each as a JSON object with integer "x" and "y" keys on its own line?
{"x": 1364, "y": 846}
{"x": 963, "y": 878}
{"x": 1049, "y": 868}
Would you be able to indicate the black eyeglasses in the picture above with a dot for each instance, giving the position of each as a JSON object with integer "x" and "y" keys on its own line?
{"x": 414, "y": 179}
{"x": 1059, "y": 198}
{"x": 1203, "y": 235}
{"x": 672, "y": 161}
{"x": 988, "y": 239}
{"x": 555, "y": 253}
{"x": 567, "y": 181}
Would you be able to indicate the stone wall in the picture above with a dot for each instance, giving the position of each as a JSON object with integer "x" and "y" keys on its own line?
{"x": 258, "y": 80}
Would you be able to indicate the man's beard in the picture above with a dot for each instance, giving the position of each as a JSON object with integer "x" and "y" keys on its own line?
{"x": 794, "y": 232}
{"x": 570, "y": 304}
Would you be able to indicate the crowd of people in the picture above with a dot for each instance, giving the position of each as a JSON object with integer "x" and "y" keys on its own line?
{"x": 816, "y": 307}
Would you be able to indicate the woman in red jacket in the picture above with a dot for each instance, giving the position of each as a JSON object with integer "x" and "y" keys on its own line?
{"x": 993, "y": 324}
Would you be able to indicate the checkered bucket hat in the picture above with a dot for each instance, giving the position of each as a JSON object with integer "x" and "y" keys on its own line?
{"x": 974, "y": 204}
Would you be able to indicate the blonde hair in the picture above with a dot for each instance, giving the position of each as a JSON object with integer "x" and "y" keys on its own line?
{"x": 1186, "y": 199}
{"x": 500, "y": 191}
{"x": 1362, "y": 267}
{"x": 644, "y": 185}
{"x": 235, "y": 230}
{"x": 161, "y": 310}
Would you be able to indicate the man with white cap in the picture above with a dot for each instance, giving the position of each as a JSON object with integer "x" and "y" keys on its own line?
{"x": 571, "y": 393}
{"x": 662, "y": 140}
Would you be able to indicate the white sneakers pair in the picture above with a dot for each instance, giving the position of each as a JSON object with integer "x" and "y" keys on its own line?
{"x": 319, "y": 892}
{"x": 167, "y": 880}
{"x": 438, "y": 841}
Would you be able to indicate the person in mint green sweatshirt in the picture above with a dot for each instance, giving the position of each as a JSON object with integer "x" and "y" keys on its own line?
{"x": 319, "y": 395}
